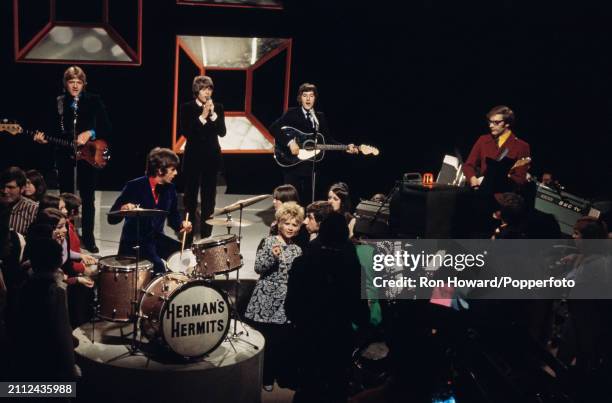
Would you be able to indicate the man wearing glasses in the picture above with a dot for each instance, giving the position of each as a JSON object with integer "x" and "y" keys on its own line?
{"x": 500, "y": 143}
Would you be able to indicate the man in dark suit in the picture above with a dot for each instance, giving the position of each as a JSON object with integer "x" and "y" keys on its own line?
{"x": 305, "y": 119}
{"x": 153, "y": 191}
{"x": 83, "y": 114}
{"x": 493, "y": 146}
{"x": 202, "y": 122}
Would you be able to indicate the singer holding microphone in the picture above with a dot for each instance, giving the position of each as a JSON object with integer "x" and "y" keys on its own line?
{"x": 202, "y": 122}
{"x": 78, "y": 114}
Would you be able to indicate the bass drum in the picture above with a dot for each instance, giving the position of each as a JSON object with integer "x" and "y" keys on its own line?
{"x": 153, "y": 298}
{"x": 190, "y": 318}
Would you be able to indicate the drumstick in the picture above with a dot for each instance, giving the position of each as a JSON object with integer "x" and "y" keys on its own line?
{"x": 184, "y": 235}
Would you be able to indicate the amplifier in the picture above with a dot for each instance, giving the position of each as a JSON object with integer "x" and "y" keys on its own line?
{"x": 567, "y": 208}
{"x": 372, "y": 219}
{"x": 439, "y": 211}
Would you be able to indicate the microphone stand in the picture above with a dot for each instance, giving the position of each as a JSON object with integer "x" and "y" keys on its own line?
{"x": 74, "y": 143}
{"x": 314, "y": 158}
{"x": 387, "y": 201}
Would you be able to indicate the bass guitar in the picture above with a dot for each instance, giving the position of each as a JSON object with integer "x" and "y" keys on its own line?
{"x": 309, "y": 148}
{"x": 95, "y": 152}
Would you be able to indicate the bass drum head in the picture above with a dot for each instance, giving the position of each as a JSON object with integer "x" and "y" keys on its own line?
{"x": 195, "y": 320}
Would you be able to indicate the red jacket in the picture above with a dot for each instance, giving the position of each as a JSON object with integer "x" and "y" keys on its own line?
{"x": 75, "y": 246}
{"x": 486, "y": 146}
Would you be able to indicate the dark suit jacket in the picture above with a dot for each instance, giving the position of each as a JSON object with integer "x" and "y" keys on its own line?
{"x": 138, "y": 191}
{"x": 294, "y": 117}
{"x": 91, "y": 114}
{"x": 202, "y": 140}
{"x": 486, "y": 146}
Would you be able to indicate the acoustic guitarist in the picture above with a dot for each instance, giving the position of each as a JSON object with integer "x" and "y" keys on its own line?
{"x": 79, "y": 114}
{"x": 305, "y": 119}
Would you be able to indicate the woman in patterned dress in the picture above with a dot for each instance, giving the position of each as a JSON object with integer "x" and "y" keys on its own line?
{"x": 266, "y": 309}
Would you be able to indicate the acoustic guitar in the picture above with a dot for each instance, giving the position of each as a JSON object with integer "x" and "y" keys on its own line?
{"x": 309, "y": 148}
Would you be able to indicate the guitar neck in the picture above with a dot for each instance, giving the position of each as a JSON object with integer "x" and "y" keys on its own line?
{"x": 59, "y": 141}
{"x": 54, "y": 140}
{"x": 332, "y": 147}
{"x": 14, "y": 129}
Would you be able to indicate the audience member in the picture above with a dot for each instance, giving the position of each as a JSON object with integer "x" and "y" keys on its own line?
{"x": 23, "y": 210}
{"x": 266, "y": 309}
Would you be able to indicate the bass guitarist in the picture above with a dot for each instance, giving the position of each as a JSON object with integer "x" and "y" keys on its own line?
{"x": 82, "y": 115}
{"x": 306, "y": 119}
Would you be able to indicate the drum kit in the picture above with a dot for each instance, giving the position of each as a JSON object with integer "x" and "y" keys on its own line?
{"x": 181, "y": 311}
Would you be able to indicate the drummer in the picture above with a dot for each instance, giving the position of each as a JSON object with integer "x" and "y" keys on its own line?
{"x": 153, "y": 191}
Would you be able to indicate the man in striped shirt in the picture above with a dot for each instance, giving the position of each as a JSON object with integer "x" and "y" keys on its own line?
{"x": 23, "y": 210}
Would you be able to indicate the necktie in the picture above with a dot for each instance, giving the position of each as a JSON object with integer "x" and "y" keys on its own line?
{"x": 310, "y": 120}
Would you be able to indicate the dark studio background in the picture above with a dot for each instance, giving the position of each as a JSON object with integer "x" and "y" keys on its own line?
{"x": 412, "y": 78}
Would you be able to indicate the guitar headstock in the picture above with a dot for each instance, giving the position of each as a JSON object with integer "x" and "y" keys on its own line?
{"x": 12, "y": 128}
{"x": 367, "y": 150}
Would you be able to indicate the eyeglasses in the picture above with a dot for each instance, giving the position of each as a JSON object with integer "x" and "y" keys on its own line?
{"x": 496, "y": 122}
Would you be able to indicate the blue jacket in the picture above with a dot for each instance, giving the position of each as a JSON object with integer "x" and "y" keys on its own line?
{"x": 138, "y": 191}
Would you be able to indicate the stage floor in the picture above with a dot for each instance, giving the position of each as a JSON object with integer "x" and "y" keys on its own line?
{"x": 261, "y": 214}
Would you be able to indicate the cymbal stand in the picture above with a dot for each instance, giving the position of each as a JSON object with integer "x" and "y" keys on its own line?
{"x": 237, "y": 317}
{"x": 229, "y": 224}
{"x": 134, "y": 348}
{"x": 95, "y": 309}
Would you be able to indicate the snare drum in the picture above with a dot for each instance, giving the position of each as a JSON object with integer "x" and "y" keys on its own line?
{"x": 116, "y": 285}
{"x": 184, "y": 263}
{"x": 190, "y": 318}
{"x": 216, "y": 255}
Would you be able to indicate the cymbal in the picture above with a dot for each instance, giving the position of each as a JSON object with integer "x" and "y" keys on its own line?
{"x": 221, "y": 222}
{"x": 138, "y": 212}
{"x": 241, "y": 204}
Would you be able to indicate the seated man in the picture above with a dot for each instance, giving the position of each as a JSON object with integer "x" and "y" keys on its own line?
{"x": 153, "y": 191}
{"x": 23, "y": 210}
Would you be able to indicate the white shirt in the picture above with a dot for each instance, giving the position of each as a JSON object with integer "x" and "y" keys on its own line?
{"x": 313, "y": 117}
{"x": 213, "y": 116}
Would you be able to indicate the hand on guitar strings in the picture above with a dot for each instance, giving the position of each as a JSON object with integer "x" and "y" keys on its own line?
{"x": 83, "y": 137}
{"x": 39, "y": 137}
{"x": 294, "y": 147}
